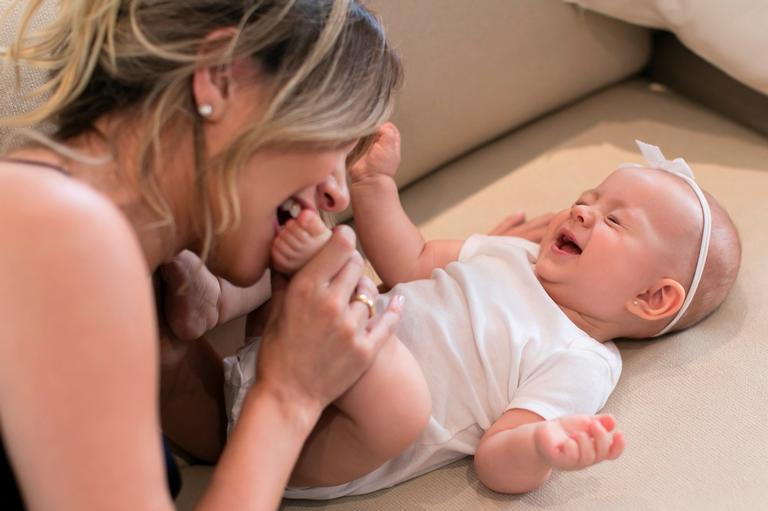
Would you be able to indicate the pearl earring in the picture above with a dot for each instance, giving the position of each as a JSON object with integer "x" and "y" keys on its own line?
{"x": 205, "y": 110}
{"x": 634, "y": 302}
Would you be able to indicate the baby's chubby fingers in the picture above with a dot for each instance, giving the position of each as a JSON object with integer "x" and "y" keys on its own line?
{"x": 602, "y": 440}
{"x": 568, "y": 455}
{"x": 617, "y": 447}
{"x": 586, "y": 449}
{"x": 607, "y": 421}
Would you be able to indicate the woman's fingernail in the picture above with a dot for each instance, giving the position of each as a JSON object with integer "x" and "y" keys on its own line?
{"x": 399, "y": 301}
{"x": 346, "y": 232}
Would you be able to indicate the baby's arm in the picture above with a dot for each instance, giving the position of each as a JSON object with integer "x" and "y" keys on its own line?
{"x": 390, "y": 240}
{"x": 517, "y": 454}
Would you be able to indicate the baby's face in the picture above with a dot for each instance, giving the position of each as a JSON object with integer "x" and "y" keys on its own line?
{"x": 616, "y": 240}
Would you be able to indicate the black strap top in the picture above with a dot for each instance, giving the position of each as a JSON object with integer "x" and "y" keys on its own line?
{"x": 35, "y": 163}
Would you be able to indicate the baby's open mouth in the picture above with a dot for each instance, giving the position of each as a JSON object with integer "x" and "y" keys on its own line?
{"x": 566, "y": 242}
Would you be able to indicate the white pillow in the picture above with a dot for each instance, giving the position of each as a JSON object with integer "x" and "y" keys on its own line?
{"x": 731, "y": 34}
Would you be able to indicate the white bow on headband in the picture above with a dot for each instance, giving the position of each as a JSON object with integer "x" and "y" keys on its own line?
{"x": 680, "y": 168}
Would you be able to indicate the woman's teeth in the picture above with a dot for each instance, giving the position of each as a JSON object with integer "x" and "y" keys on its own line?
{"x": 291, "y": 207}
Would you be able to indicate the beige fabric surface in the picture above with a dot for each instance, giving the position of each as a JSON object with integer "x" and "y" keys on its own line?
{"x": 12, "y": 101}
{"x": 474, "y": 70}
{"x": 693, "y": 405}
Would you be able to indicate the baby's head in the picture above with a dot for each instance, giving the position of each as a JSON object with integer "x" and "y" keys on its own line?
{"x": 621, "y": 260}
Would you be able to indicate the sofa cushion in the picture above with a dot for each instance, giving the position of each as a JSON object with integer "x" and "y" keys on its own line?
{"x": 731, "y": 35}
{"x": 473, "y": 71}
{"x": 677, "y": 67}
{"x": 12, "y": 101}
{"x": 692, "y": 405}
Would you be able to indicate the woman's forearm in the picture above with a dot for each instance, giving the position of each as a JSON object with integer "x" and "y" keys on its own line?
{"x": 389, "y": 239}
{"x": 262, "y": 450}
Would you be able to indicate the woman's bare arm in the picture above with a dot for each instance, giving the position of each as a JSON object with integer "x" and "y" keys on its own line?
{"x": 78, "y": 351}
{"x": 79, "y": 363}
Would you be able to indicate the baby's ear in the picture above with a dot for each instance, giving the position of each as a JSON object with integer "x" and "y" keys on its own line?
{"x": 662, "y": 300}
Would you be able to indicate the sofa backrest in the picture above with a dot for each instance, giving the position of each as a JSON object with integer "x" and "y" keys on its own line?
{"x": 475, "y": 70}
{"x": 12, "y": 101}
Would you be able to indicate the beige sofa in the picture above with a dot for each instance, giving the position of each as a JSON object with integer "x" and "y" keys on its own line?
{"x": 518, "y": 104}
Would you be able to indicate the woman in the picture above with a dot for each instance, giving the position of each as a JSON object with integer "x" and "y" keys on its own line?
{"x": 178, "y": 125}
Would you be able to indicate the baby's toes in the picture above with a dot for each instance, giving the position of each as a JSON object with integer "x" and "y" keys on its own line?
{"x": 291, "y": 236}
{"x": 312, "y": 223}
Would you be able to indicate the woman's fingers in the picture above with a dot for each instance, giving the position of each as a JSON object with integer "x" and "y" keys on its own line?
{"x": 331, "y": 258}
{"x": 541, "y": 220}
{"x": 512, "y": 220}
{"x": 365, "y": 290}
{"x": 516, "y": 225}
{"x": 384, "y": 326}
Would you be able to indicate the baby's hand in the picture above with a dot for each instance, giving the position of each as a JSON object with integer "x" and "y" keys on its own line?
{"x": 191, "y": 296}
{"x": 383, "y": 157}
{"x": 298, "y": 241}
{"x": 578, "y": 441}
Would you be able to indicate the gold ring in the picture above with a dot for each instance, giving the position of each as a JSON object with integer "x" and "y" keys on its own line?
{"x": 362, "y": 298}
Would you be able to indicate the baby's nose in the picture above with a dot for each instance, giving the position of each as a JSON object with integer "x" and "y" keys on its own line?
{"x": 582, "y": 214}
{"x": 332, "y": 195}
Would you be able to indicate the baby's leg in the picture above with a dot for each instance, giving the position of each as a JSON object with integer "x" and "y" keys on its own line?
{"x": 298, "y": 241}
{"x": 382, "y": 414}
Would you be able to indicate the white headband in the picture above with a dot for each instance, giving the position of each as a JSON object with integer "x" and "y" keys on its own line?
{"x": 680, "y": 168}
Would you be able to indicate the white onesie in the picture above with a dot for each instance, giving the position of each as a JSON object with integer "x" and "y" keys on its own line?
{"x": 488, "y": 339}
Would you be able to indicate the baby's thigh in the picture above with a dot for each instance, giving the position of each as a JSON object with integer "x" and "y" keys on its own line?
{"x": 390, "y": 403}
{"x": 380, "y": 416}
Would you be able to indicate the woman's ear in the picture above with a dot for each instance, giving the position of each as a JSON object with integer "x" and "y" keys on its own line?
{"x": 211, "y": 85}
{"x": 662, "y": 300}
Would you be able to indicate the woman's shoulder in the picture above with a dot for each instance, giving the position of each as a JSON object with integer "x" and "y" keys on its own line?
{"x": 43, "y": 211}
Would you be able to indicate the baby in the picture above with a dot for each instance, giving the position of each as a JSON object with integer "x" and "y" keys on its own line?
{"x": 509, "y": 353}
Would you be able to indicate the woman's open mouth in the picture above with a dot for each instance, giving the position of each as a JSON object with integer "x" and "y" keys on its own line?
{"x": 287, "y": 210}
{"x": 291, "y": 208}
{"x": 566, "y": 243}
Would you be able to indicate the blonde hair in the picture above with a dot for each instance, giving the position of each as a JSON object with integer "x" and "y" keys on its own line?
{"x": 332, "y": 72}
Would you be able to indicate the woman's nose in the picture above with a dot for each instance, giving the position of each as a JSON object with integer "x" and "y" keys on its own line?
{"x": 332, "y": 194}
{"x": 583, "y": 215}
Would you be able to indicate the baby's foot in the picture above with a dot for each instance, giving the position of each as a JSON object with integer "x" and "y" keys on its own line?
{"x": 298, "y": 241}
{"x": 191, "y": 296}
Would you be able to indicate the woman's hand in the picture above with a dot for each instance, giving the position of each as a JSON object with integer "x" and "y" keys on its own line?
{"x": 317, "y": 341}
{"x": 516, "y": 225}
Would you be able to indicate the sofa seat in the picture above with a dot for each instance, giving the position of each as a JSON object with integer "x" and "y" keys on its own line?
{"x": 692, "y": 405}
